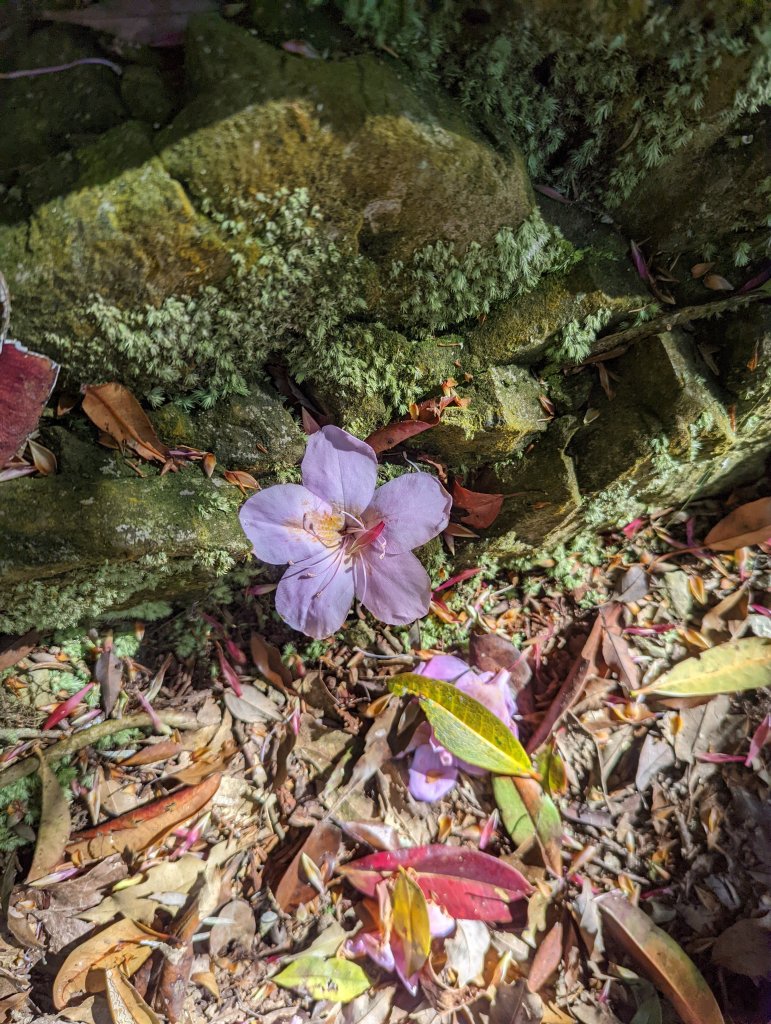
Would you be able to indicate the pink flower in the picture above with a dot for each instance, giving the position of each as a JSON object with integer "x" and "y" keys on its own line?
{"x": 382, "y": 945}
{"x": 342, "y": 538}
{"x": 434, "y": 770}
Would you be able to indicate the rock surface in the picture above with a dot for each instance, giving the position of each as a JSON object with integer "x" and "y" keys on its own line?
{"x": 344, "y": 225}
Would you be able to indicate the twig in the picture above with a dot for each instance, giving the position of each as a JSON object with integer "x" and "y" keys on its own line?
{"x": 56, "y": 68}
{"x": 79, "y": 740}
{"x": 667, "y": 322}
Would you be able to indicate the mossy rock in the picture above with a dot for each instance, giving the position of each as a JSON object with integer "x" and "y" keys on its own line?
{"x": 541, "y": 492}
{"x": 147, "y": 94}
{"x": 124, "y": 230}
{"x": 387, "y": 161}
{"x": 503, "y": 415}
{"x": 92, "y": 540}
{"x": 43, "y": 115}
{"x": 254, "y": 432}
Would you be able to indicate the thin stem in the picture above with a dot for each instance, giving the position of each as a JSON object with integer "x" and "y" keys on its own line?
{"x": 56, "y": 68}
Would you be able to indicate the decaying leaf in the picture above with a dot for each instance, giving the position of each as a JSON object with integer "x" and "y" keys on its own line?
{"x": 728, "y": 619}
{"x": 745, "y": 948}
{"x": 388, "y": 437}
{"x": 468, "y": 884}
{"x": 137, "y": 829}
{"x": 252, "y": 705}
{"x": 267, "y": 660}
{"x": 84, "y": 969}
{"x": 660, "y": 959}
{"x": 114, "y": 410}
{"x": 335, "y": 979}
{"x": 547, "y": 958}
{"x": 108, "y": 672}
{"x": 746, "y": 525}
{"x": 321, "y": 847}
{"x": 481, "y": 509}
{"x": 126, "y": 1004}
{"x": 411, "y": 928}
{"x": 717, "y": 283}
{"x": 26, "y": 382}
{"x": 236, "y": 925}
{"x": 729, "y": 668}
{"x": 54, "y": 830}
{"x": 466, "y": 950}
{"x": 464, "y": 726}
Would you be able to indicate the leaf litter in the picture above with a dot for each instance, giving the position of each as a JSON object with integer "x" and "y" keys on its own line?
{"x": 258, "y": 855}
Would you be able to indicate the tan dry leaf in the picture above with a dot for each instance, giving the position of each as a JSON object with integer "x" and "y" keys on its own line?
{"x": 746, "y": 525}
{"x": 716, "y": 283}
{"x": 700, "y": 269}
{"x": 728, "y": 619}
{"x": 115, "y": 411}
{"x": 55, "y": 825}
{"x": 126, "y": 1004}
{"x": 83, "y": 970}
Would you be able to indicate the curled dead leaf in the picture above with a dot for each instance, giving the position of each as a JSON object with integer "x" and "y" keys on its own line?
{"x": 115, "y": 411}
{"x": 85, "y": 967}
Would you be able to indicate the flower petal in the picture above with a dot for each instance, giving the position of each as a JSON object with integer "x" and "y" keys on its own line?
{"x": 340, "y": 468}
{"x": 430, "y": 777}
{"x": 314, "y": 597}
{"x": 449, "y": 668}
{"x": 273, "y": 521}
{"x": 414, "y": 507}
{"x": 395, "y": 588}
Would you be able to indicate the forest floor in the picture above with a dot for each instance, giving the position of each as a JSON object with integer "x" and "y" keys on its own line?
{"x": 200, "y": 849}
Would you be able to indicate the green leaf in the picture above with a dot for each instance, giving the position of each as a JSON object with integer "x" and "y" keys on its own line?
{"x": 527, "y": 812}
{"x": 465, "y": 727}
{"x": 336, "y": 979}
{"x": 729, "y": 668}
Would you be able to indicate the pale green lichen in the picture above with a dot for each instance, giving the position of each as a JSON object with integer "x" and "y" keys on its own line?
{"x": 441, "y": 289}
{"x": 576, "y": 339}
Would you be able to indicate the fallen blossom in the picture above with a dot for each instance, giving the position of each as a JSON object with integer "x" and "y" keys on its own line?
{"x": 434, "y": 770}
{"x": 342, "y": 538}
{"x": 382, "y": 946}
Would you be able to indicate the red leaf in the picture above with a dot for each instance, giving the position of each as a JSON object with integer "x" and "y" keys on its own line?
{"x": 26, "y": 382}
{"x": 388, "y": 437}
{"x": 482, "y": 508}
{"x": 547, "y": 958}
{"x": 465, "y": 575}
{"x": 468, "y": 884}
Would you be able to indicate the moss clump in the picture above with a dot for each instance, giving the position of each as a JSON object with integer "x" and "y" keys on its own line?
{"x": 440, "y": 288}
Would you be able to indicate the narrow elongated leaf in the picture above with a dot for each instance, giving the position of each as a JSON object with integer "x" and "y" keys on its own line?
{"x": 55, "y": 824}
{"x": 729, "y": 668}
{"x": 526, "y": 812}
{"x": 410, "y": 922}
{"x": 337, "y": 980}
{"x": 137, "y": 829}
{"x": 466, "y": 883}
{"x": 748, "y": 524}
{"x": 660, "y": 959}
{"x": 464, "y": 726}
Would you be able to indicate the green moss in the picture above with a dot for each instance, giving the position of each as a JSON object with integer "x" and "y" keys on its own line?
{"x": 440, "y": 288}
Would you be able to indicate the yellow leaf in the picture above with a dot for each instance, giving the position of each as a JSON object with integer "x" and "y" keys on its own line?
{"x": 465, "y": 727}
{"x": 410, "y": 922}
{"x": 335, "y": 979}
{"x": 729, "y": 668}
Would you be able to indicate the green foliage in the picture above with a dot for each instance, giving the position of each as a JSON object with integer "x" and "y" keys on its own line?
{"x": 441, "y": 289}
{"x": 576, "y": 339}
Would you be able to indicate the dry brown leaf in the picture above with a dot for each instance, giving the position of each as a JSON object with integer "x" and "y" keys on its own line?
{"x": 716, "y": 283}
{"x": 322, "y": 845}
{"x": 84, "y": 969}
{"x": 55, "y": 824}
{"x": 267, "y": 661}
{"x": 126, "y": 1004}
{"x": 547, "y": 958}
{"x": 115, "y": 411}
{"x": 746, "y": 525}
{"x": 108, "y": 672}
{"x": 700, "y": 269}
{"x": 148, "y": 823}
{"x": 660, "y": 959}
{"x": 728, "y": 619}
